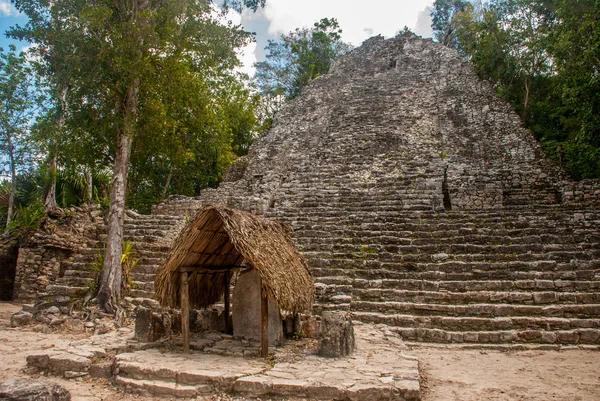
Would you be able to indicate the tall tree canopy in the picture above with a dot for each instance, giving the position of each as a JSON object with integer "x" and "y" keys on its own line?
{"x": 17, "y": 106}
{"x": 543, "y": 57}
{"x": 297, "y": 58}
{"x": 130, "y": 65}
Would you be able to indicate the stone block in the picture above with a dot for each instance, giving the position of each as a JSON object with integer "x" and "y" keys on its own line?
{"x": 568, "y": 337}
{"x": 589, "y": 336}
{"x": 246, "y": 310}
{"x": 102, "y": 370}
{"x": 151, "y": 326}
{"x": 337, "y": 335}
{"x": 253, "y": 385}
{"x": 32, "y": 390}
{"x": 20, "y": 319}
{"x": 60, "y": 363}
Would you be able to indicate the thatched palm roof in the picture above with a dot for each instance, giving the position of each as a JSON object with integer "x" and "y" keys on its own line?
{"x": 219, "y": 238}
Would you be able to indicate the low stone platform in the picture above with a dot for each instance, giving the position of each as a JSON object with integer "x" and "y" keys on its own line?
{"x": 381, "y": 369}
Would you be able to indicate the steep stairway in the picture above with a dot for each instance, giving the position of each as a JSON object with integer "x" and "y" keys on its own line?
{"x": 151, "y": 235}
{"x": 513, "y": 275}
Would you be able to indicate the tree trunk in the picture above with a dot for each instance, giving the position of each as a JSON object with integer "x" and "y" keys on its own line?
{"x": 89, "y": 185}
{"x": 13, "y": 180}
{"x": 526, "y": 100}
{"x": 50, "y": 199}
{"x": 109, "y": 292}
{"x": 168, "y": 183}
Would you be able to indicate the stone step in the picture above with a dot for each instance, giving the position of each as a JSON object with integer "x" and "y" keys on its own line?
{"x": 162, "y": 388}
{"x": 74, "y": 281}
{"x": 79, "y": 272}
{"x": 141, "y": 240}
{"x": 145, "y": 269}
{"x": 572, "y": 311}
{"x": 137, "y": 293}
{"x": 479, "y": 324}
{"x": 558, "y": 339}
{"x": 469, "y": 297}
{"x": 144, "y": 286}
{"x": 468, "y": 285}
{"x": 66, "y": 290}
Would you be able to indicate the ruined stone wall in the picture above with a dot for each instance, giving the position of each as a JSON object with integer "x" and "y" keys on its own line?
{"x": 47, "y": 254}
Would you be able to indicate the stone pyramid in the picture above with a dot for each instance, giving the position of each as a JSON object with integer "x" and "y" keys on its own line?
{"x": 420, "y": 201}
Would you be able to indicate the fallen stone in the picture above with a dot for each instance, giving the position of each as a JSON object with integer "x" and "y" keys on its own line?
{"x": 53, "y": 310}
{"x": 39, "y": 362}
{"x": 20, "y": 319}
{"x": 73, "y": 375}
{"x": 32, "y": 390}
{"x": 337, "y": 335}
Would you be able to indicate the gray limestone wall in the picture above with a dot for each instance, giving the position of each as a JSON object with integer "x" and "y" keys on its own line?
{"x": 50, "y": 251}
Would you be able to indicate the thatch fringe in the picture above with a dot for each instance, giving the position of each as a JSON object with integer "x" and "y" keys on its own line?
{"x": 220, "y": 237}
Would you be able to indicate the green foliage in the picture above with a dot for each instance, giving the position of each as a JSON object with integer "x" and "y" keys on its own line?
{"x": 193, "y": 114}
{"x": 28, "y": 218}
{"x": 442, "y": 20}
{"x": 129, "y": 260}
{"x": 296, "y": 59}
{"x": 543, "y": 57}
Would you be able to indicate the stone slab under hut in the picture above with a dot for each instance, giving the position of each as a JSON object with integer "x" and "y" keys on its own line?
{"x": 381, "y": 369}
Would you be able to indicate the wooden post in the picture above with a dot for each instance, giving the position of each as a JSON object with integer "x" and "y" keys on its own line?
{"x": 226, "y": 300}
{"x": 264, "y": 326}
{"x": 185, "y": 312}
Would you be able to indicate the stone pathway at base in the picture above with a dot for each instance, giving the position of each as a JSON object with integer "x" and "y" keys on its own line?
{"x": 381, "y": 369}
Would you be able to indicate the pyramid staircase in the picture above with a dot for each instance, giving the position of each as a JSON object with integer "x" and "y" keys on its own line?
{"x": 152, "y": 236}
{"x": 510, "y": 275}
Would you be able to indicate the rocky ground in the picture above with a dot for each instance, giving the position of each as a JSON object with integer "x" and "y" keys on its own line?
{"x": 448, "y": 373}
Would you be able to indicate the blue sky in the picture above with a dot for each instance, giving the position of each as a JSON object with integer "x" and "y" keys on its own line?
{"x": 8, "y": 17}
{"x": 359, "y": 20}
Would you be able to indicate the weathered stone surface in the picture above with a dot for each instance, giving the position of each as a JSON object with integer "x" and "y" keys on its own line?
{"x": 102, "y": 370}
{"x": 32, "y": 390}
{"x": 151, "y": 326}
{"x": 64, "y": 362}
{"x": 381, "y": 368}
{"x": 246, "y": 310}
{"x": 20, "y": 319}
{"x": 337, "y": 335}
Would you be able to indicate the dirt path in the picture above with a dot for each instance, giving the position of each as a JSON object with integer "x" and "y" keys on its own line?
{"x": 474, "y": 375}
{"x": 447, "y": 374}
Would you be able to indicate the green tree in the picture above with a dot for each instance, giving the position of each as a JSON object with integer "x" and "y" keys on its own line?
{"x": 17, "y": 107}
{"x": 126, "y": 54}
{"x": 442, "y": 20}
{"x": 297, "y": 58}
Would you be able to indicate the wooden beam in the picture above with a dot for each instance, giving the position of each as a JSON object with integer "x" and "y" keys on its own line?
{"x": 264, "y": 323}
{"x": 185, "y": 312}
{"x": 226, "y": 300}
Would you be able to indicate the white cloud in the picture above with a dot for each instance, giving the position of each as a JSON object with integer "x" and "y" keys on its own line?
{"x": 358, "y": 20}
{"x": 248, "y": 57}
{"x": 423, "y": 25}
{"x": 7, "y": 9}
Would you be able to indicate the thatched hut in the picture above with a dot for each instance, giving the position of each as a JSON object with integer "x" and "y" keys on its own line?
{"x": 219, "y": 241}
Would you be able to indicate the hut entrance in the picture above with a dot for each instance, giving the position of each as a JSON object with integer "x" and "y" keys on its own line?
{"x": 221, "y": 242}
{"x": 8, "y": 271}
